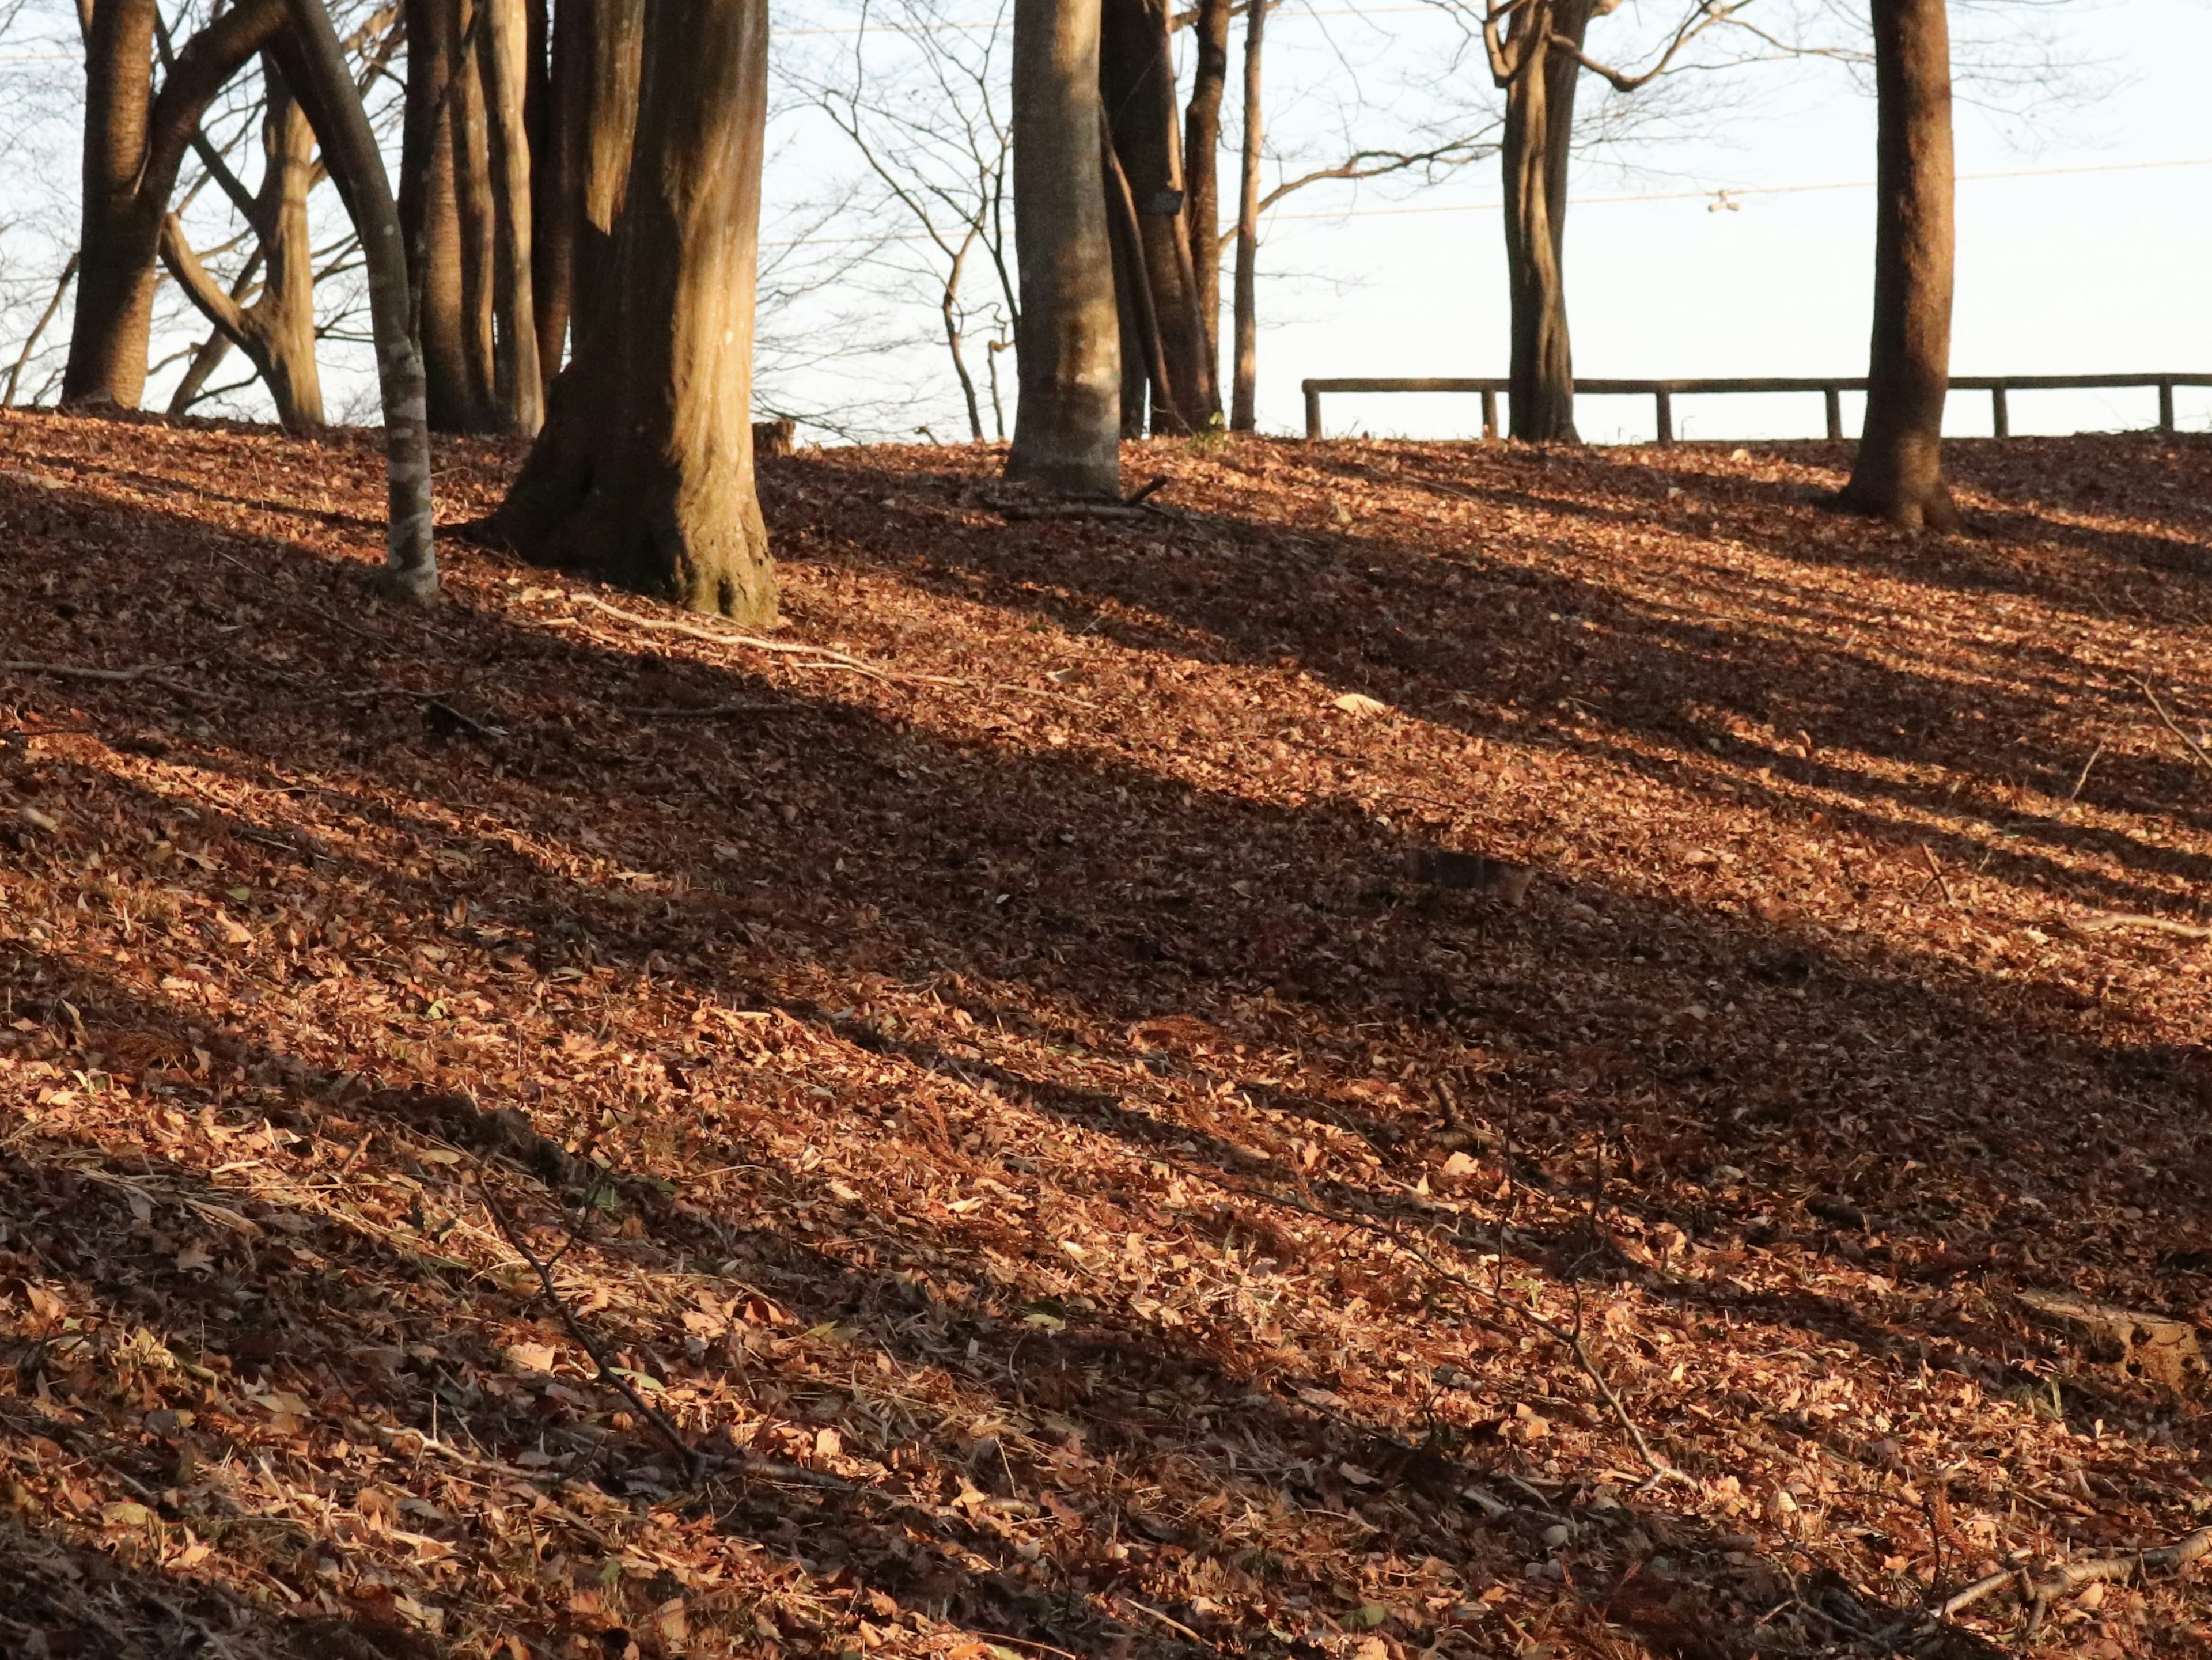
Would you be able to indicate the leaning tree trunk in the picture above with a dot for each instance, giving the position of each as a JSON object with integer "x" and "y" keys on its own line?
{"x": 276, "y": 332}
{"x": 1898, "y": 475}
{"x": 1539, "y": 125}
{"x": 1067, "y": 424}
{"x": 644, "y": 472}
{"x": 502, "y": 39}
{"x": 1138, "y": 84}
{"x": 1243, "y": 412}
{"x": 325, "y": 88}
{"x": 135, "y": 140}
{"x": 1201, "y": 152}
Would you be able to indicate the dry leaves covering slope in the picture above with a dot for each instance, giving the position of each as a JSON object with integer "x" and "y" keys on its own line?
{"x": 1040, "y": 1177}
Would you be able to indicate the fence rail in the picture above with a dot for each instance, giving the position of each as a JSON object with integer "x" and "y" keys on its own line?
{"x": 1664, "y": 393}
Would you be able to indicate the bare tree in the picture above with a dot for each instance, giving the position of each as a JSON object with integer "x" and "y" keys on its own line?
{"x": 644, "y": 471}
{"x": 922, "y": 104}
{"x": 1899, "y": 473}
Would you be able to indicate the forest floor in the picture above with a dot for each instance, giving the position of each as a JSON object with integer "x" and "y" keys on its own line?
{"x": 1027, "y": 1165}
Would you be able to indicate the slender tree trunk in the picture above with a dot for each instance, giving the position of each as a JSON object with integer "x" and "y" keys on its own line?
{"x": 325, "y": 86}
{"x": 133, "y": 142}
{"x": 504, "y": 36}
{"x": 1138, "y": 317}
{"x": 644, "y": 472}
{"x": 1243, "y": 416}
{"x": 1137, "y": 83}
{"x": 1539, "y": 125}
{"x": 609, "y": 125}
{"x": 1067, "y": 420}
{"x": 556, "y": 155}
{"x": 61, "y": 289}
{"x": 430, "y": 211}
{"x": 1898, "y": 475}
{"x": 955, "y": 336}
{"x": 475, "y": 195}
{"x": 1201, "y": 156}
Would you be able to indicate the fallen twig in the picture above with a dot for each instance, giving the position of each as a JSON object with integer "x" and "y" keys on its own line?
{"x": 150, "y": 673}
{"x": 2190, "y": 746}
{"x": 608, "y": 1373}
{"x": 1152, "y": 486}
{"x": 1936, "y": 869}
{"x": 2063, "y": 1582}
{"x": 2105, "y": 922}
{"x": 2074, "y": 794}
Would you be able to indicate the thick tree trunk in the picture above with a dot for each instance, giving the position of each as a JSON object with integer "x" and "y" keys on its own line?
{"x": 1898, "y": 474}
{"x": 1137, "y": 83}
{"x": 610, "y": 124}
{"x": 1067, "y": 423}
{"x": 1201, "y": 156}
{"x": 503, "y": 37}
{"x": 644, "y": 473}
{"x": 325, "y": 88}
{"x": 1244, "y": 396}
{"x": 557, "y": 133}
{"x": 276, "y": 332}
{"x": 1539, "y": 107}
{"x": 133, "y": 142}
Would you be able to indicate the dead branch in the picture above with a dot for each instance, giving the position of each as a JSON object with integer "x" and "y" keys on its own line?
{"x": 608, "y": 1374}
{"x": 1936, "y": 869}
{"x": 2190, "y": 746}
{"x": 2105, "y": 922}
{"x": 148, "y": 672}
{"x": 2039, "y": 1594}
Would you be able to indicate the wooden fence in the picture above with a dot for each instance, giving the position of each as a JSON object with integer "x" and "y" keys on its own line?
{"x": 1663, "y": 393}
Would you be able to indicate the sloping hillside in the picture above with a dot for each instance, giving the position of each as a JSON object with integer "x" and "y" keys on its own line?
{"x": 1033, "y": 1150}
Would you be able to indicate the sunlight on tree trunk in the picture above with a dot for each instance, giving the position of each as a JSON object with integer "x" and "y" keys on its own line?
{"x": 1898, "y": 474}
{"x": 1539, "y": 87}
{"x": 518, "y": 389}
{"x": 1245, "y": 394}
{"x": 644, "y": 472}
{"x": 1067, "y": 421}
{"x": 1202, "y": 166}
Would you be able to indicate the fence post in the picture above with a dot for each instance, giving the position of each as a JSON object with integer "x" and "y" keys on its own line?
{"x": 1313, "y": 413}
{"x": 1833, "y": 397}
{"x": 2165, "y": 406}
{"x": 1489, "y": 416}
{"x": 1999, "y": 415}
{"x": 1665, "y": 402}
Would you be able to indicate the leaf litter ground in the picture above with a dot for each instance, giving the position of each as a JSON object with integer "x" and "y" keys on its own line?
{"x": 1028, "y": 1165}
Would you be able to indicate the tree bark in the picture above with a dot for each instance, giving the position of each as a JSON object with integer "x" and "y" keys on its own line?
{"x": 356, "y": 168}
{"x": 1244, "y": 398}
{"x": 1066, "y": 424}
{"x": 1899, "y": 473}
{"x": 1144, "y": 354}
{"x": 475, "y": 194}
{"x": 503, "y": 39}
{"x": 1539, "y": 107}
{"x": 1138, "y": 85}
{"x": 644, "y": 472}
{"x": 135, "y": 141}
{"x": 555, "y": 152}
{"x": 1201, "y": 154}
{"x": 430, "y": 213}
{"x": 276, "y": 332}
{"x": 616, "y": 59}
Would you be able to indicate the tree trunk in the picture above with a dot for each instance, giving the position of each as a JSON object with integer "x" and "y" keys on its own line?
{"x": 276, "y": 332}
{"x": 1137, "y": 83}
{"x": 133, "y": 142}
{"x": 475, "y": 199}
{"x": 429, "y": 212}
{"x": 1539, "y": 108}
{"x": 1898, "y": 474}
{"x": 325, "y": 86}
{"x": 503, "y": 37}
{"x": 1201, "y": 154}
{"x": 1066, "y": 423}
{"x": 555, "y": 154}
{"x": 1243, "y": 414}
{"x": 609, "y": 113}
{"x": 1144, "y": 355}
{"x": 644, "y": 472}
